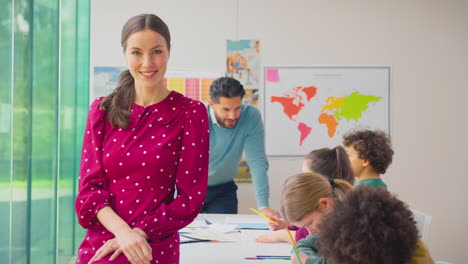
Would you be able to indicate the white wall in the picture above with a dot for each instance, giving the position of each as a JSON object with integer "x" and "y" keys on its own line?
{"x": 425, "y": 41}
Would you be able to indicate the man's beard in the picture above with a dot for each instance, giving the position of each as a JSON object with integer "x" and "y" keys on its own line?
{"x": 222, "y": 122}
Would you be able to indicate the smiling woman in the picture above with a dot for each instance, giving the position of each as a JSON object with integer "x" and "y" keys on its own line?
{"x": 146, "y": 43}
{"x": 147, "y": 54}
{"x": 142, "y": 145}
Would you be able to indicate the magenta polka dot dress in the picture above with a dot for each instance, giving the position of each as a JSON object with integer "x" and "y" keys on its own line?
{"x": 153, "y": 174}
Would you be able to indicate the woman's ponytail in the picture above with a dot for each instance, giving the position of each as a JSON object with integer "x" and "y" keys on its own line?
{"x": 119, "y": 102}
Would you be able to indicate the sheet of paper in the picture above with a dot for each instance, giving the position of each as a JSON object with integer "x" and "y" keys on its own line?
{"x": 251, "y": 219}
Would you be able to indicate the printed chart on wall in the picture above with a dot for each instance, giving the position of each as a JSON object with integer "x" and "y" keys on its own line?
{"x": 195, "y": 85}
{"x": 307, "y": 108}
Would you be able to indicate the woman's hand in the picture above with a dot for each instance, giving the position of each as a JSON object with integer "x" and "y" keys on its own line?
{"x": 132, "y": 242}
{"x": 111, "y": 246}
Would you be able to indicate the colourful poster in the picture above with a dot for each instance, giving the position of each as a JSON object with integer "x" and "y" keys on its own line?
{"x": 176, "y": 84}
{"x": 195, "y": 85}
{"x": 205, "y": 88}
{"x": 311, "y": 107}
{"x": 105, "y": 79}
{"x": 192, "y": 87}
{"x": 243, "y": 62}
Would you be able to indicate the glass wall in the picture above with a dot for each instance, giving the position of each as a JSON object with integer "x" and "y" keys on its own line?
{"x": 44, "y": 48}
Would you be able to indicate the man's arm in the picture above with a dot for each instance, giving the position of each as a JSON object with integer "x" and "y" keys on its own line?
{"x": 257, "y": 161}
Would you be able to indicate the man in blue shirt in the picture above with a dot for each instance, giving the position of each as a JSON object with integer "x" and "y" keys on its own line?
{"x": 234, "y": 128}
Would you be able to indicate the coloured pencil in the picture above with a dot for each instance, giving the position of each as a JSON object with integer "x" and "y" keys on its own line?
{"x": 264, "y": 216}
{"x": 296, "y": 250}
{"x": 261, "y": 258}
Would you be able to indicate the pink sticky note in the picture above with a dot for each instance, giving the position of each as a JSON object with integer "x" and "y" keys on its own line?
{"x": 272, "y": 75}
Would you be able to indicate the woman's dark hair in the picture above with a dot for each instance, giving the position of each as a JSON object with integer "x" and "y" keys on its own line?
{"x": 118, "y": 103}
{"x": 370, "y": 225}
{"x": 374, "y": 146}
{"x": 331, "y": 163}
{"x": 226, "y": 87}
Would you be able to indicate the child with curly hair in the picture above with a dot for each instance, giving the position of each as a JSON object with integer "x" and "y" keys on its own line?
{"x": 370, "y": 225}
{"x": 370, "y": 153}
{"x": 311, "y": 201}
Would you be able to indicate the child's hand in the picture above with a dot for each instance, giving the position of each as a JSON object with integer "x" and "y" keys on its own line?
{"x": 273, "y": 237}
{"x": 268, "y": 238}
{"x": 270, "y": 213}
{"x": 281, "y": 224}
{"x": 303, "y": 257}
{"x": 312, "y": 231}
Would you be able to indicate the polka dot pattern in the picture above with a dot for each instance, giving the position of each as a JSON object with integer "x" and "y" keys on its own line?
{"x": 136, "y": 172}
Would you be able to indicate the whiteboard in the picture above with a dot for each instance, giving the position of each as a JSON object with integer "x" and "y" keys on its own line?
{"x": 311, "y": 107}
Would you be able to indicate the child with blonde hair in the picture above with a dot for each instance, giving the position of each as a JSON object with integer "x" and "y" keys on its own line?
{"x": 330, "y": 163}
{"x": 309, "y": 199}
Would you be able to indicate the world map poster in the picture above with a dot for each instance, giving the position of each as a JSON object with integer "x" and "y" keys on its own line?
{"x": 307, "y": 108}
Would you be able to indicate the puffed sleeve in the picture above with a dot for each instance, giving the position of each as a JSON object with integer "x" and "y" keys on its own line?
{"x": 93, "y": 191}
{"x": 191, "y": 178}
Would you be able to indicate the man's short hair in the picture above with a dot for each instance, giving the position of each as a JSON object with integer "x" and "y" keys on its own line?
{"x": 372, "y": 145}
{"x": 226, "y": 87}
{"x": 370, "y": 225}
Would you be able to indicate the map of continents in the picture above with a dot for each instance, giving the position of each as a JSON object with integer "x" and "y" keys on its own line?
{"x": 334, "y": 110}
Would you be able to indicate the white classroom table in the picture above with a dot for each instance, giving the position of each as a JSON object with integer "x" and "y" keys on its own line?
{"x": 232, "y": 252}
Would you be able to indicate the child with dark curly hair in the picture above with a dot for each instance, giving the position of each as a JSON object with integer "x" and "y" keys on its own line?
{"x": 370, "y": 153}
{"x": 309, "y": 199}
{"x": 370, "y": 225}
